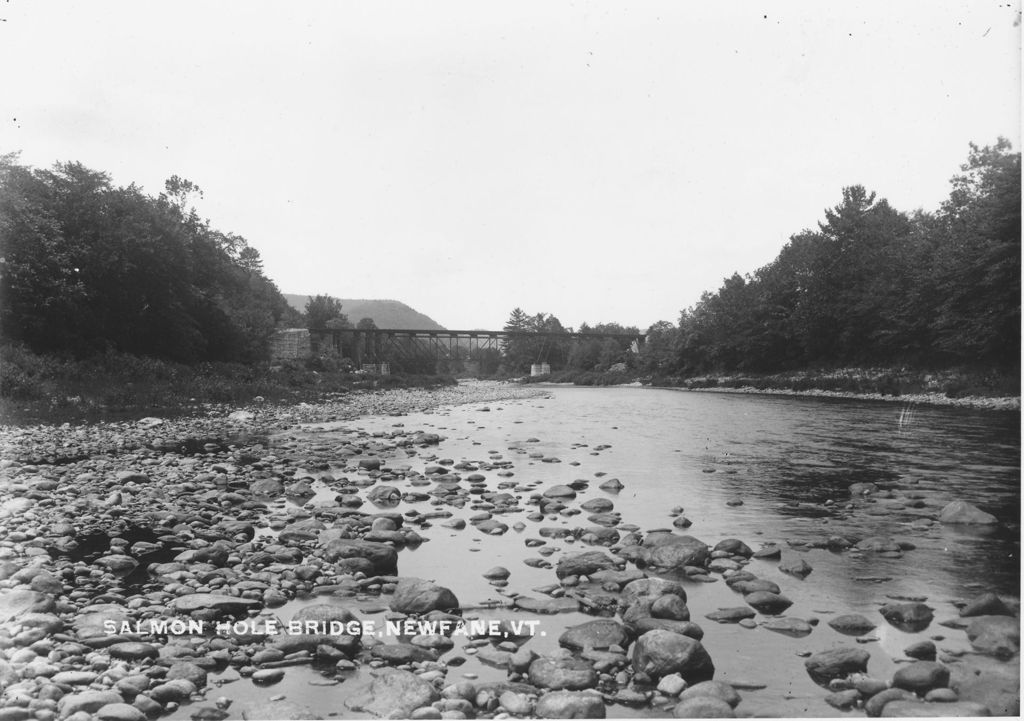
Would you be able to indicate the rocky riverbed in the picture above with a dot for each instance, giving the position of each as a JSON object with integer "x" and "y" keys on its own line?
{"x": 238, "y": 564}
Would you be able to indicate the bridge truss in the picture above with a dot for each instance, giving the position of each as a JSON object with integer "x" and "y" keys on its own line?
{"x": 408, "y": 346}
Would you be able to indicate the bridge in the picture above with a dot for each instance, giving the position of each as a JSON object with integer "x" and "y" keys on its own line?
{"x": 404, "y": 346}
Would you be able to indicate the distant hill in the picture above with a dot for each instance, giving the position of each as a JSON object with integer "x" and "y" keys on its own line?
{"x": 385, "y": 313}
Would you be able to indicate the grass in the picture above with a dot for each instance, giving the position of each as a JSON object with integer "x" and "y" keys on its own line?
{"x": 42, "y": 388}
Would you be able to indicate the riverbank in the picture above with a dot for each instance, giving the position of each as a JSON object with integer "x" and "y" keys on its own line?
{"x": 340, "y": 513}
{"x": 38, "y": 388}
{"x": 951, "y": 387}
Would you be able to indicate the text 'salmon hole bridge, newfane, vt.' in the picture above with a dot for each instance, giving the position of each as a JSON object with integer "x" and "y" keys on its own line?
{"x": 400, "y": 346}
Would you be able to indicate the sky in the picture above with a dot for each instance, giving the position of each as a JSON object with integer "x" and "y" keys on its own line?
{"x": 599, "y": 161}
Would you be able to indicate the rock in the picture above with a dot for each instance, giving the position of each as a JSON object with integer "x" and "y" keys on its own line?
{"x": 498, "y": 573}
{"x": 670, "y": 606}
{"x": 735, "y": 547}
{"x": 672, "y": 685}
{"x": 650, "y": 589}
{"x": 177, "y": 690}
{"x": 910, "y": 617}
{"x": 878, "y": 544}
{"x": 768, "y": 603}
{"x": 569, "y": 704}
{"x": 133, "y": 651}
{"x": 229, "y": 605}
{"x": 942, "y": 695}
{"x": 768, "y": 553}
{"x": 703, "y": 707}
{"x": 659, "y": 653}
{"x": 267, "y": 676}
{"x": 584, "y": 564}
{"x": 836, "y": 663}
{"x": 612, "y": 485}
{"x": 562, "y": 672}
{"x": 518, "y": 704}
{"x": 734, "y": 614}
{"x": 877, "y": 703}
{"x": 909, "y": 709}
{"x": 789, "y": 626}
{"x": 987, "y": 604}
{"x": 640, "y": 626}
{"x": 120, "y": 712}
{"x": 382, "y": 557}
{"x": 755, "y": 584}
{"x": 668, "y": 551}
{"x": 921, "y": 677}
{"x": 922, "y": 650}
{"x": 843, "y": 700}
{"x": 398, "y": 654}
{"x": 415, "y": 595}
{"x": 961, "y": 512}
{"x": 797, "y": 567}
{"x": 714, "y": 689}
{"x": 546, "y": 605}
{"x": 852, "y": 624}
{"x": 324, "y": 613}
{"x": 599, "y": 634}
{"x": 17, "y": 603}
{"x": 189, "y": 671}
{"x": 393, "y": 693}
{"x": 997, "y": 636}
{"x": 560, "y": 491}
{"x": 86, "y": 701}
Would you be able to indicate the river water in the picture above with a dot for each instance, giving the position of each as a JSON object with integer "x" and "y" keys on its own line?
{"x": 789, "y": 460}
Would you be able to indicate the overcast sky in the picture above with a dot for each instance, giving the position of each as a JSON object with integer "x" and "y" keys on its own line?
{"x": 598, "y": 161}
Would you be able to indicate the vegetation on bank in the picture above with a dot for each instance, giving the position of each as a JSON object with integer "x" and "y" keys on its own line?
{"x": 37, "y": 387}
{"x": 870, "y": 287}
{"x": 951, "y": 383}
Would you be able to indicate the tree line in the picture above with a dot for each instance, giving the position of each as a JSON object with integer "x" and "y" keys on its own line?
{"x": 87, "y": 267}
{"x": 871, "y": 285}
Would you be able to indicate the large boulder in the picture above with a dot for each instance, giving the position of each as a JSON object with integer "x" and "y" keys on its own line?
{"x": 562, "y": 672}
{"x": 382, "y": 557}
{"x": 416, "y": 595}
{"x": 649, "y": 589}
{"x": 997, "y": 636}
{"x": 910, "y": 617}
{"x": 658, "y": 653}
{"x": 570, "y": 704}
{"x": 393, "y": 693}
{"x": 599, "y": 634}
{"x": 962, "y": 512}
{"x": 836, "y": 663}
{"x": 669, "y": 551}
{"x": 921, "y": 677}
{"x": 584, "y": 564}
{"x": 987, "y": 604}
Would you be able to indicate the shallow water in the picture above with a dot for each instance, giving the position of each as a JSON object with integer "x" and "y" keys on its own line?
{"x": 785, "y": 458}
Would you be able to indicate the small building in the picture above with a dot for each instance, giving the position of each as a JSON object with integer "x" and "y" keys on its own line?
{"x": 540, "y": 369}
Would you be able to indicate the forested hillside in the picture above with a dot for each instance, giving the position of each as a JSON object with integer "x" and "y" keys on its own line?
{"x": 89, "y": 267}
{"x": 873, "y": 285}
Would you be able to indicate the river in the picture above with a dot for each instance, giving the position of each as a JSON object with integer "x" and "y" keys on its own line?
{"x": 763, "y": 469}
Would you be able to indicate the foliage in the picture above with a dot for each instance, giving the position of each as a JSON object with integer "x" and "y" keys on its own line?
{"x": 324, "y": 311}
{"x": 88, "y": 267}
{"x": 873, "y": 285}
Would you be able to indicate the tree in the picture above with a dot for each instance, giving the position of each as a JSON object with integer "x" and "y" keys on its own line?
{"x": 89, "y": 267}
{"x": 366, "y": 324}
{"x": 321, "y": 310}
